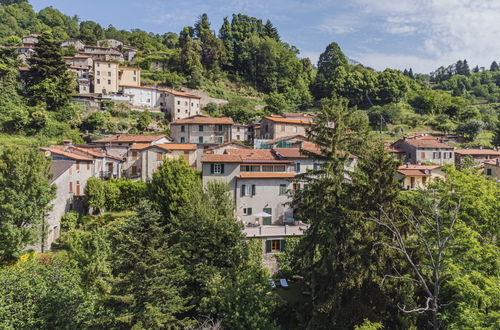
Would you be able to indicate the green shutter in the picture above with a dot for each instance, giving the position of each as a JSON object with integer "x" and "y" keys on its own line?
{"x": 212, "y": 168}
{"x": 242, "y": 190}
{"x": 268, "y": 246}
{"x": 253, "y": 190}
{"x": 282, "y": 245}
{"x": 222, "y": 168}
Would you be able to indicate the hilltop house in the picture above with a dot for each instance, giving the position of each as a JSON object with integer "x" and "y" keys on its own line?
{"x": 478, "y": 155}
{"x": 423, "y": 148}
{"x": 492, "y": 169}
{"x": 276, "y": 126}
{"x": 77, "y": 44}
{"x": 202, "y": 130}
{"x": 119, "y": 145}
{"x": 418, "y": 176}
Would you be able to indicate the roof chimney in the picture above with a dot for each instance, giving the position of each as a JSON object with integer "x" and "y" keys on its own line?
{"x": 67, "y": 142}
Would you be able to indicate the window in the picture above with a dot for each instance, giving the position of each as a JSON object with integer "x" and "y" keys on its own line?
{"x": 200, "y": 139}
{"x": 422, "y": 155}
{"x": 200, "y": 128}
{"x": 183, "y": 128}
{"x": 279, "y": 168}
{"x": 238, "y": 137}
{"x": 135, "y": 78}
{"x": 134, "y": 155}
{"x": 295, "y": 129}
{"x": 134, "y": 170}
{"x": 88, "y": 165}
{"x": 109, "y": 73}
{"x": 192, "y": 104}
{"x": 316, "y": 166}
{"x": 185, "y": 103}
{"x": 217, "y": 168}
{"x": 183, "y": 140}
{"x": 77, "y": 165}
{"x": 436, "y": 155}
{"x": 220, "y": 128}
{"x": 267, "y": 168}
{"x": 98, "y": 73}
{"x": 109, "y": 82}
{"x": 159, "y": 156}
{"x": 220, "y": 139}
{"x": 297, "y": 167}
{"x": 178, "y": 110}
{"x": 98, "y": 81}
{"x": 71, "y": 187}
{"x": 197, "y": 105}
{"x": 135, "y": 72}
{"x": 186, "y": 111}
{"x": 247, "y": 211}
{"x": 109, "y": 65}
{"x": 178, "y": 102}
{"x": 489, "y": 171}
{"x": 296, "y": 186}
{"x": 98, "y": 65}
{"x": 238, "y": 129}
{"x": 247, "y": 190}
{"x": 275, "y": 245}
{"x": 282, "y": 189}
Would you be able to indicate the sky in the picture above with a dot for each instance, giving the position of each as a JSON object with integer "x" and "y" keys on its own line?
{"x": 421, "y": 34}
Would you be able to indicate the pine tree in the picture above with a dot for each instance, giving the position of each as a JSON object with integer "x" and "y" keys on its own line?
{"x": 476, "y": 69}
{"x": 270, "y": 31}
{"x": 496, "y": 135}
{"x": 48, "y": 81}
{"x": 146, "y": 292}
{"x": 494, "y": 66}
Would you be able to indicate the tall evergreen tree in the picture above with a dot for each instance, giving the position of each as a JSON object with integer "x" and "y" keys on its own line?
{"x": 494, "y": 66}
{"x": 49, "y": 81}
{"x": 332, "y": 62}
{"x": 270, "y": 31}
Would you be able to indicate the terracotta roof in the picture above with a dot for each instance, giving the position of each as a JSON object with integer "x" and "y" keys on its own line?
{"x": 413, "y": 173}
{"x": 266, "y": 175}
{"x": 288, "y": 121}
{"x": 427, "y": 143}
{"x": 131, "y": 138}
{"x": 477, "y": 152}
{"x": 296, "y": 136}
{"x": 140, "y": 146}
{"x": 71, "y": 155}
{"x": 495, "y": 162}
{"x": 139, "y": 87}
{"x": 200, "y": 119}
{"x": 228, "y": 144}
{"x": 252, "y": 154}
{"x": 179, "y": 93}
{"x": 290, "y": 152}
{"x": 298, "y": 114}
{"x": 217, "y": 158}
{"x": 418, "y": 167}
{"x": 175, "y": 146}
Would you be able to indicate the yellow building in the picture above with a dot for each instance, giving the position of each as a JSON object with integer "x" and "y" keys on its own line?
{"x": 105, "y": 77}
{"x": 129, "y": 76}
{"x": 418, "y": 176}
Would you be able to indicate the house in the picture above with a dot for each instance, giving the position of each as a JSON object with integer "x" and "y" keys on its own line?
{"x": 276, "y": 126}
{"x": 179, "y": 105}
{"x": 119, "y": 145}
{"x": 423, "y": 148}
{"x": 105, "y": 77}
{"x": 418, "y": 176}
{"x": 79, "y": 61}
{"x": 221, "y": 148}
{"x": 77, "y": 44}
{"x": 82, "y": 67}
{"x": 70, "y": 173}
{"x": 101, "y": 53}
{"x": 31, "y": 40}
{"x": 143, "y": 159}
{"x": 129, "y": 76}
{"x": 240, "y": 132}
{"x": 492, "y": 169}
{"x": 202, "y": 130}
{"x": 113, "y": 43}
{"x": 143, "y": 96}
{"x": 259, "y": 182}
{"x": 129, "y": 54}
{"x": 478, "y": 155}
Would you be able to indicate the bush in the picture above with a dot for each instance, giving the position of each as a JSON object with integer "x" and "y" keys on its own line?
{"x": 69, "y": 221}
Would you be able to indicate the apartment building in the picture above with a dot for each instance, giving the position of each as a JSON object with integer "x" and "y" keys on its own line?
{"x": 82, "y": 67}
{"x": 491, "y": 168}
{"x": 119, "y": 144}
{"x": 143, "y": 97}
{"x": 102, "y": 53}
{"x": 143, "y": 159}
{"x": 129, "y": 76}
{"x": 240, "y": 132}
{"x": 105, "y": 77}
{"x": 180, "y": 105}
{"x": 202, "y": 130}
{"x": 276, "y": 126}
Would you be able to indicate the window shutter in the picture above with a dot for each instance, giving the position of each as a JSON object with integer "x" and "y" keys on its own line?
{"x": 282, "y": 245}
{"x": 243, "y": 190}
{"x": 212, "y": 168}
{"x": 222, "y": 168}
{"x": 249, "y": 211}
{"x": 268, "y": 246}
{"x": 253, "y": 190}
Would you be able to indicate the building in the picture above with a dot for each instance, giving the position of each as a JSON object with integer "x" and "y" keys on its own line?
{"x": 105, "y": 77}
{"x": 179, "y": 105}
{"x": 202, "y": 130}
{"x": 143, "y": 159}
{"x": 276, "y": 126}
{"x": 129, "y": 76}
{"x": 492, "y": 169}
{"x": 129, "y": 54}
{"x": 478, "y": 155}
{"x": 118, "y": 145}
{"x": 101, "y": 53}
{"x": 31, "y": 40}
{"x": 260, "y": 184}
{"x": 82, "y": 67}
{"x": 240, "y": 132}
{"x": 113, "y": 43}
{"x": 414, "y": 177}
{"x": 221, "y": 148}
{"x": 143, "y": 96}
{"x": 79, "y": 61}
{"x": 423, "y": 148}
{"x": 75, "y": 43}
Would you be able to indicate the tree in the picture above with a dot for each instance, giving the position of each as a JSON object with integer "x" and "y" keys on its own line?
{"x": 143, "y": 121}
{"x": 496, "y": 135}
{"x": 147, "y": 284}
{"x": 494, "y": 66}
{"x": 25, "y": 194}
{"x": 95, "y": 193}
{"x": 330, "y": 65}
{"x": 48, "y": 81}
{"x": 471, "y": 129}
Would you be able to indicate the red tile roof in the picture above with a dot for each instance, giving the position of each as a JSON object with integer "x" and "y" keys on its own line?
{"x": 431, "y": 143}
{"x": 290, "y": 152}
{"x": 218, "y": 158}
{"x": 71, "y": 155}
{"x": 296, "y": 136}
{"x": 288, "y": 121}
{"x": 244, "y": 156}
{"x": 179, "y": 93}
{"x": 413, "y": 173}
{"x": 131, "y": 138}
{"x": 138, "y": 87}
{"x": 201, "y": 119}
{"x": 174, "y": 146}
{"x": 477, "y": 152}
{"x": 266, "y": 175}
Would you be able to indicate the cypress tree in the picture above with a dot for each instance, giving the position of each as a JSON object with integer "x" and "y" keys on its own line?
{"x": 494, "y": 66}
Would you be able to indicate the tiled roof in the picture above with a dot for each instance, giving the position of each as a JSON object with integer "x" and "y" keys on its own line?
{"x": 58, "y": 167}
{"x": 175, "y": 146}
{"x": 200, "y": 119}
{"x": 217, "y": 158}
{"x": 495, "y": 162}
{"x": 290, "y": 152}
{"x": 138, "y": 87}
{"x": 231, "y": 143}
{"x": 131, "y": 138}
{"x": 252, "y": 154}
{"x": 418, "y": 167}
{"x": 71, "y": 155}
{"x": 477, "y": 152}
{"x": 140, "y": 146}
{"x": 288, "y": 120}
{"x": 179, "y": 93}
{"x": 265, "y": 175}
{"x": 413, "y": 173}
{"x": 296, "y": 136}
{"x": 418, "y": 143}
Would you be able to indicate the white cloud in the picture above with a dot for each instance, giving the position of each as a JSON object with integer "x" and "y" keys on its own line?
{"x": 448, "y": 30}
{"x": 338, "y": 25}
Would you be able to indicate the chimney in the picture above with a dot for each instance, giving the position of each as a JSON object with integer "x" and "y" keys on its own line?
{"x": 67, "y": 142}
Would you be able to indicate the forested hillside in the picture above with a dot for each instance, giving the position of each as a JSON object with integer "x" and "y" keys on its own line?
{"x": 245, "y": 61}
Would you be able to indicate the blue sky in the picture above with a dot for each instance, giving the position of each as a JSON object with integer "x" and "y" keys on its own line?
{"x": 422, "y": 34}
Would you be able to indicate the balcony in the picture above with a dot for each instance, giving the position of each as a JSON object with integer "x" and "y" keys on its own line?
{"x": 107, "y": 175}
{"x": 275, "y": 230}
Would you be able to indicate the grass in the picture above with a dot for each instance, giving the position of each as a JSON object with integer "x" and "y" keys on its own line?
{"x": 17, "y": 140}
